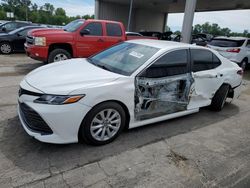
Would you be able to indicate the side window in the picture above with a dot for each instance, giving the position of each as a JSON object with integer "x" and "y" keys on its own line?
{"x": 10, "y": 26}
{"x": 173, "y": 63}
{"x": 21, "y": 24}
{"x": 113, "y": 30}
{"x": 94, "y": 28}
{"x": 23, "y": 32}
{"x": 204, "y": 60}
{"x": 216, "y": 61}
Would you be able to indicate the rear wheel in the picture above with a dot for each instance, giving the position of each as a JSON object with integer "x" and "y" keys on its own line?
{"x": 219, "y": 98}
{"x": 103, "y": 124}
{"x": 5, "y": 48}
{"x": 58, "y": 55}
{"x": 243, "y": 64}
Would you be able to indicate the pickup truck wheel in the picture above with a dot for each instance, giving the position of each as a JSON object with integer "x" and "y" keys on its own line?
{"x": 5, "y": 48}
{"x": 219, "y": 98}
{"x": 58, "y": 55}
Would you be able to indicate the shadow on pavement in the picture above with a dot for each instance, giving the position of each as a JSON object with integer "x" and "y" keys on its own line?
{"x": 26, "y": 68}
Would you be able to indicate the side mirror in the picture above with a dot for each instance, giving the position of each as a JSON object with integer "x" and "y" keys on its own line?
{"x": 84, "y": 32}
{"x": 4, "y": 29}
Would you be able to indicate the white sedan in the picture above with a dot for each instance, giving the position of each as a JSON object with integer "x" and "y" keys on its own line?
{"x": 129, "y": 85}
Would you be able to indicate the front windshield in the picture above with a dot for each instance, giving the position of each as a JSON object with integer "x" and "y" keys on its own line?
{"x": 73, "y": 26}
{"x": 124, "y": 58}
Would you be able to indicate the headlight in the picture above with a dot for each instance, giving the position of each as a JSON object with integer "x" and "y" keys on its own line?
{"x": 58, "y": 99}
{"x": 40, "y": 41}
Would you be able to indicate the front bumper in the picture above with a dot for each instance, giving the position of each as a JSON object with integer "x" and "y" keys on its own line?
{"x": 39, "y": 53}
{"x": 63, "y": 120}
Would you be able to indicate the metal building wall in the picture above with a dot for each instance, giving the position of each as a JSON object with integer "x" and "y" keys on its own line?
{"x": 112, "y": 11}
{"x": 148, "y": 20}
{"x": 142, "y": 19}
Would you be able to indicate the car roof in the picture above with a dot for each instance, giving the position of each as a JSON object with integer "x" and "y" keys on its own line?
{"x": 31, "y": 26}
{"x": 231, "y": 38}
{"x": 164, "y": 45}
{"x": 131, "y": 32}
{"x": 25, "y": 27}
{"x": 104, "y": 21}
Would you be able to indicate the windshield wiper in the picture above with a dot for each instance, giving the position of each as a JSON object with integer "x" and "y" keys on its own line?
{"x": 103, "y": 67}
{"x": 98, "y": 65}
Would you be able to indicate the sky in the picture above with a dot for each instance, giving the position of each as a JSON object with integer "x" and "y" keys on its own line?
{"x": 72, "y": 7}
{"x": 236, "y": 20}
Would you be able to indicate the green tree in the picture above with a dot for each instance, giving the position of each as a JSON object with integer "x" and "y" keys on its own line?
{"x": 213, "y": 29}
{"x": 46, "y": 14}
{"x": 49, "y": 8}
{"x": 60, "y": 12}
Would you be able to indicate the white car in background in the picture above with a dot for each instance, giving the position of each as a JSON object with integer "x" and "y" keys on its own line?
{"x": 134, "y": 83}
{"x": 237, "y": 49}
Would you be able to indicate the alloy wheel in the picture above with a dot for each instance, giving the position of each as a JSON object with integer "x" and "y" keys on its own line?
{"x": 105, "y": 124}
{"x": 5, "y": 48}
{"x": 60, "y": 57}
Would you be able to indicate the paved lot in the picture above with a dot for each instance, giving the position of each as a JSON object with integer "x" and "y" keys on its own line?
{"x": 206, "y": 149}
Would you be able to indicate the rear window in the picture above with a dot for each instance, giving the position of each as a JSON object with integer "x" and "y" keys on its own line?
{"x": 114, "y": 30}
{"x": 204, "y": 60}
{"x": 226, "y": 43}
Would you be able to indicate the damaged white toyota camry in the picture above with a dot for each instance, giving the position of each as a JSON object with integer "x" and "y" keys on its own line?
{"x": 128, "y": 85}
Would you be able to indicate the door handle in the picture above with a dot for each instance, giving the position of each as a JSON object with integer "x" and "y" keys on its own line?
{"x": 100, "y": 40}
{"x": 119, "y": 41}
{"x": 220, "y": 74}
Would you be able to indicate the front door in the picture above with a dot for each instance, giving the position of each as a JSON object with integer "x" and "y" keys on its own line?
{"x": 91, "y": 42}
{"x": 164, "y": 87}
{"x": 20, "y": 39}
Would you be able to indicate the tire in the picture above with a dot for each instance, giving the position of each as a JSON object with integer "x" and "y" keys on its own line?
{"x": 219, "y": 98}
{"x": 93, "y": 124}
{"x": 58, "y": 55}
{"x": 6, "y": 48}
{"x": 243, "y": 64}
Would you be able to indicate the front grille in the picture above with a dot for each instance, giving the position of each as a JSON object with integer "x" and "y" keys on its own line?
{"x": 26, "y": 92}
{"x": 33, "y": 120}
{"x": 30, "y": 40}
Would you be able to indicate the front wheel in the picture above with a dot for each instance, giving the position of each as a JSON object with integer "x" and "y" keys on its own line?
{"x": 219, "y": 98}
{"x": 103, "y": 124}
{"x": 5, "y": 48}
{"x": 58, "y": 55}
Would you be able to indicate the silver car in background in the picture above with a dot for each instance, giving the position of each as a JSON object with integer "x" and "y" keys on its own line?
{"x": 236, "y": 49}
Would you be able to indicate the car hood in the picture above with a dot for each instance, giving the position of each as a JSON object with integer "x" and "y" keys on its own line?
{"x": 64, "y": 77}
{"x": 42, "y": 32}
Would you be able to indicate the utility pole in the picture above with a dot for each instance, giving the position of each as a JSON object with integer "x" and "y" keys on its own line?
{"x": 188, "y": 20}
{"x": 26, "y": 9}
{"x": 130, "y": 14}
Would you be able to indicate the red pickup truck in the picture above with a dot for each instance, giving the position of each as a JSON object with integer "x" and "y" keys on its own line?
{"x": 80, "y": 38}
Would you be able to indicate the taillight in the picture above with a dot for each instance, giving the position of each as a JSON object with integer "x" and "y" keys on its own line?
{"x": 240, "y": 72}
{"x": 234, "y": 50}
